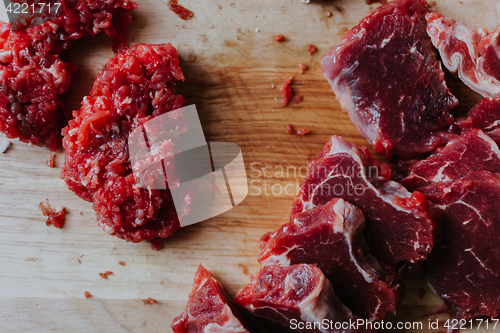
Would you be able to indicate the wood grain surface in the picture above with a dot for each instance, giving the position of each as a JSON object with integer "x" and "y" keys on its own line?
{"x": 231, "y": 62}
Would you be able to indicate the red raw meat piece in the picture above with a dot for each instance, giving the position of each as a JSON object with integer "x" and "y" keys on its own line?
{"x": 149, "y": 301}
{"x": 331, "y": 236}
{"x": 105, "y": 274}
{"x": 55, "y": 217}
{"x": 485, "y": 115}
{"x": 302, "y": 132}
{"x": 465, "y": 270}
{"x": 300, "y": 293}
{"x": 156, "y": 245}
{"x": 311, "y": 49}
{"x": 136, "y": 86}
{"x": 180, "y": 11}
{"x": 462, "y": 179}
{"x": 50, "y": 160}
{"x": 471, "y": 53}
{"x": 286, "y": 92}
{"x": 472, "y": 151}
{"x": 386, "y": 75}
{"x": 210, "y": 309}
{"x": 396, "y": 229}
{"x": 34, "y": 76}
{"x": 30, "y": 108}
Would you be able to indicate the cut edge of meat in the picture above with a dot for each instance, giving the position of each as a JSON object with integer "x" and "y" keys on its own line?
{"x": 347, "y": 220}
{"x": 461, "y": 272}
{"x": 344, "y": 96}
{"x": 230, "y": 319}
{"x": 462, "y": 48}
{"x": 353, "y": 150}
{"x": 298, "y": 292}
{"x": 337, "y": 66}
{"x": 391, "y": 192}
{"x": 417, "y": 176}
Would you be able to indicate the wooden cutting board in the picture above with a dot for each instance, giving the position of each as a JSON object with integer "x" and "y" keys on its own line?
{"x": 231, "y": 63}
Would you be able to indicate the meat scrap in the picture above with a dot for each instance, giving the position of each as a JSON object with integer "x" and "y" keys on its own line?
{"x": 464, "y": 271}
{"x": 399, "y": 225}
{"x": 287, "y": 93}
{"x": 136, "y": 86}
{"x": 331, "y": 236}
{"x": 302, "y": 132}
{"x": 210, "y": 309}
{"x": 471, "y": 53}
{"x": 156, "y": 244}
{"x": 387, "y": 77}
{"x": 298, "y": 293}
{"x": 55, "y": 216}
{"x": 182, "y": 12}
{"x": 105, "y": 274}
{"x": 50, "y": 160}
{"x": 149, "y": 301}
{"x": 302, "y": 68}
{"x": 244, "y": 268}
{"x": 311, "y": 49}
{"x": 34, "y": 75}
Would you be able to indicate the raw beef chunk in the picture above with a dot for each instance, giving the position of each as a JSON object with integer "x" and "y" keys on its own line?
{"x": 210, "y": 309}
{"x": 472, "y": 53}
{"x": 136, "y": 86}
{"x": 33, "y": 75}
{"x": 331, "y": 236}
{"x": 471, "y": 151}
{"x": 485, "y": 115}
{"x": 298, "y": 294}
{"x": 386, "y": 75}
{"x": 398, "y": 223}
{"x": 465, "y": 271}
{"x": 462, "y": 179}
